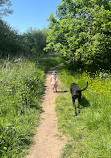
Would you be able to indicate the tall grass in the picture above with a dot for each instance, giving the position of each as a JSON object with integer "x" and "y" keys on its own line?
{"x": 90, "y": 131}
{"x": 22, "y": 85}
{"x": 21, "y": 89}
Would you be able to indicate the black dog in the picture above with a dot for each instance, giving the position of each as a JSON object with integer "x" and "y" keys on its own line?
{"x": 76, "y": 93}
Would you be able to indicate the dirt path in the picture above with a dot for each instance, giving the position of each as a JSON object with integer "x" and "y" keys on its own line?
{"x": 47, "y": 142}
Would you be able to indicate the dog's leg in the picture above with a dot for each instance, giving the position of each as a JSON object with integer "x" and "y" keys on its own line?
{"x": 74, "y": 106}
{"x": 79, "y": 102}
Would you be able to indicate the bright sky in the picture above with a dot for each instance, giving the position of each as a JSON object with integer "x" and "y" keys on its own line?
{"x": 31, "y": 13}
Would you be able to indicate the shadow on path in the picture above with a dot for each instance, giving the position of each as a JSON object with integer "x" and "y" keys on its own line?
{"x": 62, "y": 91}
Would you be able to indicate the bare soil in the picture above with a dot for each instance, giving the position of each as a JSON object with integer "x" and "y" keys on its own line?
{"x": 48, "y": 141}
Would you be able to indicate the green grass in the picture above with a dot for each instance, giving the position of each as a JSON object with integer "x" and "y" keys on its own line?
{"x": 47, "y": 61}
{"x": 89, "y": 133}
{"x": 21, "y": 89}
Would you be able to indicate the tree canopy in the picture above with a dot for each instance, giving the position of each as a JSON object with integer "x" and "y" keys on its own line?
{"x": 11, "y": 43}
{"x": 4, "y": 7}
{"x": 82, "y": 31}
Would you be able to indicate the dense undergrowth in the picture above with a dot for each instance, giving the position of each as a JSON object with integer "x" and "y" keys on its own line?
{"x": 90, "y": 132}
{"x": 21, "y": 89}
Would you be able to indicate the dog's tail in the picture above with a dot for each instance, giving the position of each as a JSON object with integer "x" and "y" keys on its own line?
{"x": 85, "y": 86}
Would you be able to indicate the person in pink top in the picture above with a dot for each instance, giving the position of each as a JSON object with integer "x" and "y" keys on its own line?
{"x": 54, "y": 81}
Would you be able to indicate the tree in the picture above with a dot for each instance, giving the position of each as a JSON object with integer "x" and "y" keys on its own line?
{"x": 35, "y": 40}
{"x": 4, "y": 7}
{"x": 82, "y": 32}
{"x": 9, "y": 40}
